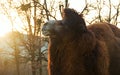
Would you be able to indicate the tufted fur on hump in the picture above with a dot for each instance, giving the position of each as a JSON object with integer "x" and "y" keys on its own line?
{"x": 115, "y": 29}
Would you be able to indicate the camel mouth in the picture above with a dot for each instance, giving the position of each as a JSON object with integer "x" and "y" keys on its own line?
{"x": 46, "y": 33}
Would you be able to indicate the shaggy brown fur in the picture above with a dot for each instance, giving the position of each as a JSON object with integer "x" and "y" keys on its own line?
{"x": 75, "y": 49}
{"x": 110, "y": 34}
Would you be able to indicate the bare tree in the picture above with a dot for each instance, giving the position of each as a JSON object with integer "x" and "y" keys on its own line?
{"x": 7, "y": 12}
{"x": 101, "y": 16}
{"x": 34, "y": 13}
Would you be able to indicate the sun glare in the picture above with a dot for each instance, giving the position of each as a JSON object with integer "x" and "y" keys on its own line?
{"x": 5, "y": 26}
{"x": 4, "y": 29}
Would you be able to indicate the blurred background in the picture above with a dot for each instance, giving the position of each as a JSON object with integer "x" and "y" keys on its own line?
{"x": 23, "y": 49}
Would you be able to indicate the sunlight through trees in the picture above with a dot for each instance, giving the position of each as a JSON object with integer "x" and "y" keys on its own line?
{"x": 23, "y": 50}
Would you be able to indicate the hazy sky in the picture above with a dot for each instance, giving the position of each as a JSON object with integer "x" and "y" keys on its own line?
{"x": 78, "y": 5}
